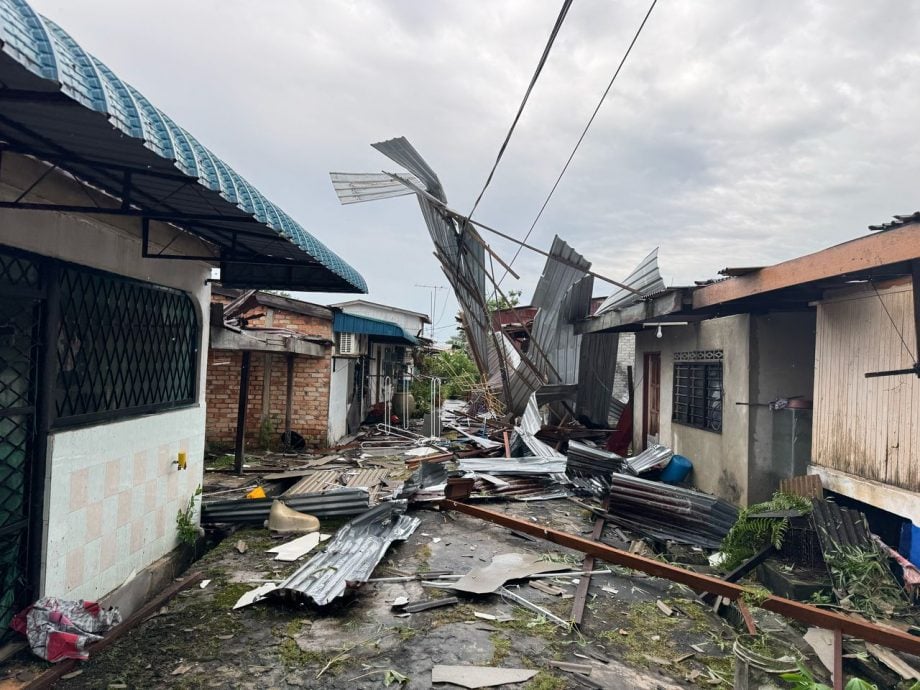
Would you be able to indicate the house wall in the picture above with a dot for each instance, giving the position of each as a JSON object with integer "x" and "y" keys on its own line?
{"x": 782, "y": 366}
{"x": 111, "y": 491}
{"x": 310, "y": 399}
{"x": 340, "y": 384}
{"x": 867, "y": 429}
{"x": 720, "y": 461}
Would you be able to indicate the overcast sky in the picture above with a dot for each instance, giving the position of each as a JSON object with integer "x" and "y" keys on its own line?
{"x": 737, "y": 134}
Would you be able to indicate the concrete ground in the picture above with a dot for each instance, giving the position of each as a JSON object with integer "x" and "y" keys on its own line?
{"x": 197, "y": 641}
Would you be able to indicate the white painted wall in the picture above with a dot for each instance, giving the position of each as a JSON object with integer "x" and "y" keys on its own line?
{"x": 112, "y": 496}
{"x": 339, "y": 385}
{"x": 111, "y": 492}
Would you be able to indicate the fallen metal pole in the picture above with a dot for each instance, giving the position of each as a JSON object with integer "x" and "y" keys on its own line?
{"x": 811, "y": 615}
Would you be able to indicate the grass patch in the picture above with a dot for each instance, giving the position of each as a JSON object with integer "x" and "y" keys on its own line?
{"x": 293, "y": 656}
{"x": 452, "y": 614}
{"x": 227, "y": 594}
{"x": 531, "y": 624}
{"x": 545, "y": 680}
{"x": 501, "y": 646}
{"x": 650, "y": 634}
{"x": 423, "y": 554}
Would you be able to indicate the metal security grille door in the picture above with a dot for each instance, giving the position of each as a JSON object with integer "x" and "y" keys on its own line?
{"x": 20, "y": 318}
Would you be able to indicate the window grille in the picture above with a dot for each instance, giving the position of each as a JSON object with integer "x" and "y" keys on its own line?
{"x": 122, "y": 347}
{"x": 698, "y": 395}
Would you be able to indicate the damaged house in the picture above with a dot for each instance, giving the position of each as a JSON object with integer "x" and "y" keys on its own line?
{"x": 114, "y": 218}
{"x": 310, "y": 371}
{"x": 806, "y": 366}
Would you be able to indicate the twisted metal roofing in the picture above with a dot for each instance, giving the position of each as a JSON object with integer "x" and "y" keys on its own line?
{"x": 50, "y": 53}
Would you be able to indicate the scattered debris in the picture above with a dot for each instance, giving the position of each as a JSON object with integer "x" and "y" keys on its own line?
{"x": 664, "y": 608}
{"x": 296, "y": 549}
{"x": 503, "y": 568}
{"x": 285, "y": 520}
{"x": 255, "y": 595}
{"x": 480, "y": 676}
{"x": 241, "y": 546}
{"x": 571, "y": 667}
{"x": 419, "y": 606}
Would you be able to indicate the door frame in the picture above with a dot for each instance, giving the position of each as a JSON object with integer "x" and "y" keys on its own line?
{"x": 646, "y": 380}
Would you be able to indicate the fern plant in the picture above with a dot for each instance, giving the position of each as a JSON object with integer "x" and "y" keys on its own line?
{"x": 750, "y": 534}
{"x": 186, "y": 527}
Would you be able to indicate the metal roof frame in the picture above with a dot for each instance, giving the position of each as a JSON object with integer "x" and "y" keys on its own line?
{"x": 61, "y": 105}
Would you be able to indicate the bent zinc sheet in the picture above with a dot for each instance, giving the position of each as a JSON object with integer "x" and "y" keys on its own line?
{"x": 352, "y": 555}
{"x": 66, "y": 107}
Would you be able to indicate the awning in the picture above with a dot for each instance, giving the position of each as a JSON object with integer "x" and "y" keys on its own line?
{"x": 62, "y": 105}
{"x": 375, "y": 329}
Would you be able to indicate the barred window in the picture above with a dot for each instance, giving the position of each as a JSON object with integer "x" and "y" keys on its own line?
{"x": 698, "y": 394}
{"x": 123, "y": 347}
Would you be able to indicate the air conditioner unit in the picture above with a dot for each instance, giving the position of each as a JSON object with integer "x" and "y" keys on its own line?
{"x": 348, "y": 344}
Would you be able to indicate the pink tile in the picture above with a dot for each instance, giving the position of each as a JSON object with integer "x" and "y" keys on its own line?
{"x": 137, "y": 535}
{"x": 161, "y": 522}
{"x": 166, "y": 454}
{"x": 150, "y": 496}
{"x": 112, "y": 477}
{"x": 94, "y": 521}
{"x": 124, "y": 508}
{"x": 107, "y": 553}
{"x": 140, "y": 468}
{"x": 74, "y": 569}
{"x": 78, "y": 487}
{"x": 172, "y": 487}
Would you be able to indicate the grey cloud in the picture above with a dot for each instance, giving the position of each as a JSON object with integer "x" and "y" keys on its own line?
{"x": 737, "y": 134}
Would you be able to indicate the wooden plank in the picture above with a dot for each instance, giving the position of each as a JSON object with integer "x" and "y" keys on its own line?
{"x": 862, "y": 254}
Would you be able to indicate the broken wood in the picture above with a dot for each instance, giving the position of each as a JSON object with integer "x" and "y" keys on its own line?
{"x": 581, "y": 592}
{"x": 547, "y": 589}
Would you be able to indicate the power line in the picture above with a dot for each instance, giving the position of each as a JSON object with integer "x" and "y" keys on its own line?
{"x": 584, "y": 132}
{"x": 564, "y": 10}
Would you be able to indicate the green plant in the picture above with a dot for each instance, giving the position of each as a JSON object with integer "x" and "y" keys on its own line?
{"x": 266, "y": 433}
{"x": 803, "y": 680}
{"x": 458, "y": 374}
{"x": 750, "y": 534}
{"x": 186, "y": 527}
{"x": 864, "y": 583}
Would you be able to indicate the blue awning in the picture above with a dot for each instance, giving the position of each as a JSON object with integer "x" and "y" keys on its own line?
{"x": 375, "y": 329}
{"x": 61, "y": 104}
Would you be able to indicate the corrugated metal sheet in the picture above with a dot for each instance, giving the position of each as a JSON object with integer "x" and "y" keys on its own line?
{"x": 646, "y": 278}
{"x": 539, "y": 466}
{"x": 39, "y": 56}
{"x": 650, "y": 458}
{"x": 531, "y": 423}
{"x": 336, "y": 502}
{"x": 353, "y": 188}
{"x": 319, "y": 481}
{"x": 351, "y": 555}
{"x": 596, "y": 373}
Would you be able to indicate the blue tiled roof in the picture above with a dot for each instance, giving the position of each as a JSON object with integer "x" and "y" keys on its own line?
{"x": 352, "y": 323}
{"x": 45, "y": 49}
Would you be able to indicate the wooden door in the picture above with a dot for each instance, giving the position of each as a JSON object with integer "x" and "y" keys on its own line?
{"x": 651, "y": 400}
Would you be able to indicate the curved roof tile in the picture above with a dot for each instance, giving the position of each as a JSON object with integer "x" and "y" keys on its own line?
{"x": 45, "y": 49}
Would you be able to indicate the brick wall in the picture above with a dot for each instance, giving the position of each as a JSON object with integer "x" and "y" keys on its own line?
{"x": 310, "y": 403}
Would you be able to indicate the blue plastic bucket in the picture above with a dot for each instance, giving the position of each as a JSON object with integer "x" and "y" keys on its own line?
{"x": 676, "y": 470}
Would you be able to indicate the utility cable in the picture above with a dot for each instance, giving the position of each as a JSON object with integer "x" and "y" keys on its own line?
{"x": 564, "y": 10}
{"x": 893, "y": 324}
{"x": 581, "y": 138}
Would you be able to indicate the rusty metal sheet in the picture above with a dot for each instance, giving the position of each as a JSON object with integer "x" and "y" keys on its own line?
{"x": 314, "y": 483}
{"x": 807, "y": 486}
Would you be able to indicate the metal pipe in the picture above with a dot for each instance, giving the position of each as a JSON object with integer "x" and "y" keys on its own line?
{"x": 810, "y": 615}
